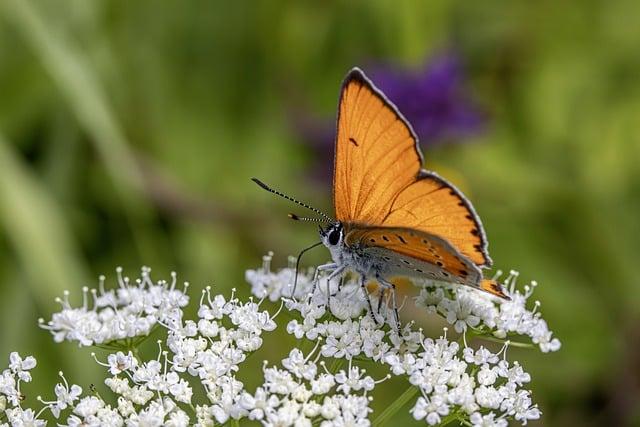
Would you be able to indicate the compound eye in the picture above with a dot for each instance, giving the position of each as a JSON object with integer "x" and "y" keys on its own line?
{"x": 334, "y": 237}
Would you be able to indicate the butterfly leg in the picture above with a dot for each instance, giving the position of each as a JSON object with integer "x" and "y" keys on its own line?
{"x": 324, "y": 267}
{"x": 363, "y": 285}
{"x": 340, "y": 285}
{"x": 388, "y": 285}
{"x": 333, "y": 275}
{"x": 381, "y": 290}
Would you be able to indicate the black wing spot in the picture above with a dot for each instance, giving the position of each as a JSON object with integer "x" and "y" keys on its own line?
{"x": 469, "y": 217}
{"x": 372, "y": 240}
{"x": 460, "y": 203}
{"x": 386, "y": 258}
{"x": 445, "y": 274}
{"x": 475, "y": 232}
{"x": 464, "y": 273}
{"x": 406, "y": 262}
{"x": 453, "y": 193}
{"x": 401, "y": 239}
{"x": 419, "y": 271}
{"x": 478, "y": 248}
{"x": 439, "y": 264}
{"x": 353, "y": 141}
{"x": 385, "y": 238}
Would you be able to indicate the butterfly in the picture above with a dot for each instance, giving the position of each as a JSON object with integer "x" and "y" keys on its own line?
{"x": 393, "y": 218}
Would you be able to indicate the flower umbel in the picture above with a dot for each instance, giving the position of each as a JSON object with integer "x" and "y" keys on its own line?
{"x": 129, "y": 311}
{"x": 197, "y": 375}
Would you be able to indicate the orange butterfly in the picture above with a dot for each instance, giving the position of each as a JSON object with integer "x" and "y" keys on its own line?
{"x": 394, "y": 218}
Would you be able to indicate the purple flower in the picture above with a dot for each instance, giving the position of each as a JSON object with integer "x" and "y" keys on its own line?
{"x": 433, "y": 98}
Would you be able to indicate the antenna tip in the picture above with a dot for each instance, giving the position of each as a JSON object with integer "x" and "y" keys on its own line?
{"x": 260, "y": 183}
{"x": 294, "y": 217}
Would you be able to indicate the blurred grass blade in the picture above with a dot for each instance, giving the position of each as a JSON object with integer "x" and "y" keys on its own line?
{"x": 76, "y": 80}
{"x": 36, "y": 228}
{"x": 395, "y": 406}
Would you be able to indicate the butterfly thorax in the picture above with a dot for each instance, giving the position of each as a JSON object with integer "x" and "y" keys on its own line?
{"x": 349, "y": 255}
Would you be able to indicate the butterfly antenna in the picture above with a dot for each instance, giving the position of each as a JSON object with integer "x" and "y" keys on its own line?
{"x": 295, "y": 279}
{"x": 301, "y": 218}
{"x": 291, "y": 199}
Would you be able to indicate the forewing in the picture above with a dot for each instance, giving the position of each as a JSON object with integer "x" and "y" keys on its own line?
{"x": 433, "y": 205}
{"x": 376, "y": 153}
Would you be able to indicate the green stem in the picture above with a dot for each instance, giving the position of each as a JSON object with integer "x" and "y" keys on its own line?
{"x": 395, "y": 406}
{"x": 511, "y": 343}
{"x": 235, "y": 423}
{"x": 335, "y": 365}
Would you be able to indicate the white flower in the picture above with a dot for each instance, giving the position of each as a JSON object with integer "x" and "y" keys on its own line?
{"x": 430, "y": 299}
{"x": 298, "y": 366}
{"x": 460, "y": 313}
{"x": 354, "y": 379}
{"x": 21, "y": 367}
{"x": 430, "y": 410}
{"x": 19, "y": 417}
{"x": 259, "y": 404}
{"x": 487, "y": 376}
{"x": 323, "y": 384}
{"x": 181, "y": 391}
{"x": 120, "y": 362}
{"x": 9, "y": 387}
{"x": 480, "y": 357}
{"x": 88, "y": 406}
{"x": 65, "y": 396}
{"x": 488, "y": 420}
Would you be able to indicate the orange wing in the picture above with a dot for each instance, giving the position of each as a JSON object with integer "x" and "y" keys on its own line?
{"x": 433, "y": 205}
{"x": 378, "y": 178}
{"x": 376, "y": 153}
{"x": 451, "y": 265}
{"x": 413, "y": 253}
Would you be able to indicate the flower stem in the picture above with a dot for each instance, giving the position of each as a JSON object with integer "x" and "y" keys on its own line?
{"x": 511, "y": 343}
{"x": 335, "y": 365}
{"x": 395, "y": 406}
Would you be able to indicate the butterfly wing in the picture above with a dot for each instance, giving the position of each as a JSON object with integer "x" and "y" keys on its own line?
{"x": 441, "y": 256}
{"x": 378, "y": 178}
{"x": 433, "y": 205}
{"x": 376, "y": 153}
{"x": 408, "y": 252}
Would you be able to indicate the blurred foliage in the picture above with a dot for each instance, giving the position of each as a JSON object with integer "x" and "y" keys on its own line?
{"x": 129, "y": 131}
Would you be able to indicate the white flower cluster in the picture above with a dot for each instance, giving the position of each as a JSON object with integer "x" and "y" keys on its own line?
{"x": 476, "y": 386}
{"x": 156, "y": 392}
{"x": 304, "y": 394}
{"x": 467, "y": 308}
{"x": 10, "y": 395}
{"x": 129, "y": 311}
{"x": 196, "y": 378}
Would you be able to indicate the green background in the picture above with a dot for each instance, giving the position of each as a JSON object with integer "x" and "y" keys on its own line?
{"x": 129, "y": 131}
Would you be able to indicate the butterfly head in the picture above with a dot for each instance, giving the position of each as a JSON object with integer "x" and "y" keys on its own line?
{"x": 333, "y": 235}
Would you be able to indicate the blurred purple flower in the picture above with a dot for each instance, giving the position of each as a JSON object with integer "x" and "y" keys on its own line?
{"x": 433, "y": 98}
